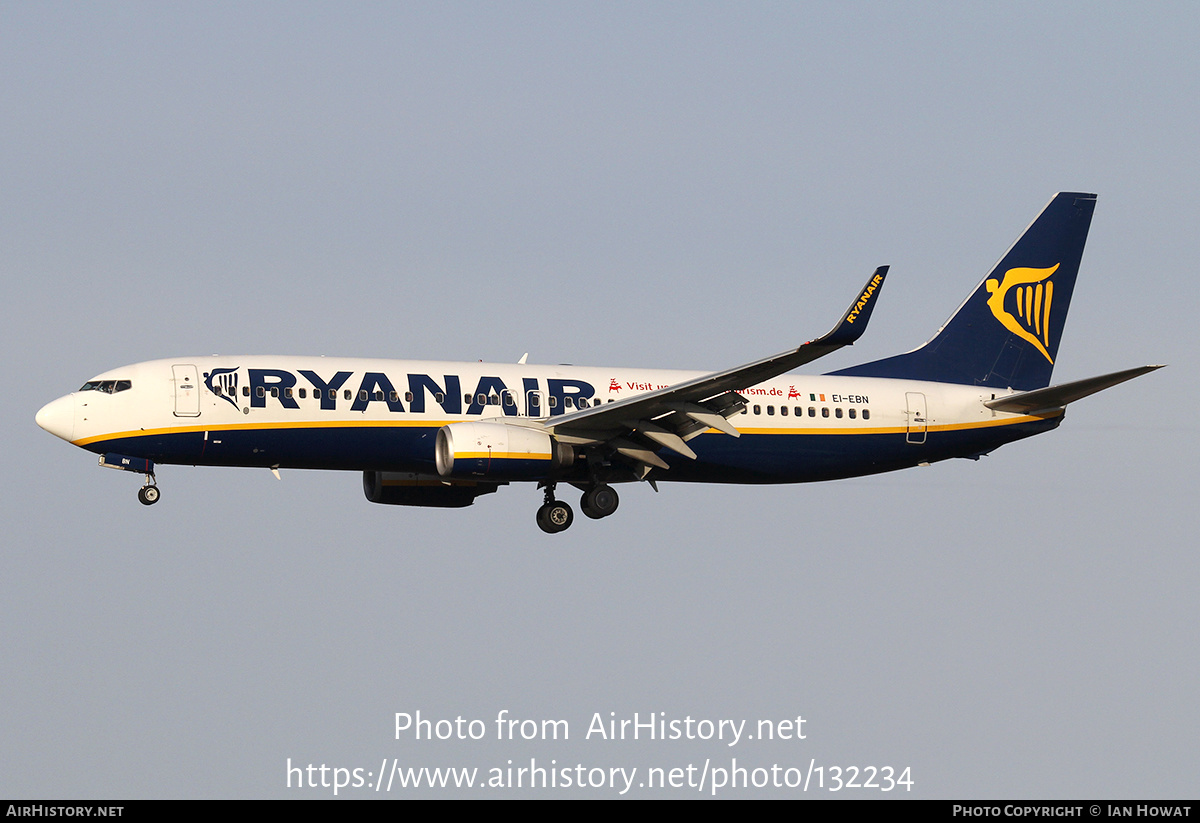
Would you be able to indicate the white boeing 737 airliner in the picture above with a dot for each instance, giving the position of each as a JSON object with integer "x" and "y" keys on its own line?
{"x": 441, "y": 434}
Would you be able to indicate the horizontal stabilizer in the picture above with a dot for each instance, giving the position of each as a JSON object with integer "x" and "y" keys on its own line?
{"x": 1054, "y": 397}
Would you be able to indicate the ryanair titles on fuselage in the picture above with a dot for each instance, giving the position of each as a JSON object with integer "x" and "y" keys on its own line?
{"x": 415, "y": 393}
{"x": 419, "y": 393}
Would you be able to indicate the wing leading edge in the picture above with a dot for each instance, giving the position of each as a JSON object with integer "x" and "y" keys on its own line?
{"x": 637, "y": 427}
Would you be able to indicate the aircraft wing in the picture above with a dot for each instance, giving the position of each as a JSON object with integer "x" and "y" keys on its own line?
{"x": 1055, "y": 397}
{"x": 637, "y": 427}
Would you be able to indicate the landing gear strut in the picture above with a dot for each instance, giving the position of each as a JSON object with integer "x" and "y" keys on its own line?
{"x": 554, "y": 516}
{"x": 599, "y": 501}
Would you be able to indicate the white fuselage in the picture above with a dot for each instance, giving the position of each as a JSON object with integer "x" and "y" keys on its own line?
{"x": 342, "y": 413}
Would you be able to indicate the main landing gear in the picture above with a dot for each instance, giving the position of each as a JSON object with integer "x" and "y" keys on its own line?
{"x": 599, "y": 501}
{"x": 555, "y": 516}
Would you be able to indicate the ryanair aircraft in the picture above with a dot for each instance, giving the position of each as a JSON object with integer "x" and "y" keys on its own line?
{"x": 442, "y": 434}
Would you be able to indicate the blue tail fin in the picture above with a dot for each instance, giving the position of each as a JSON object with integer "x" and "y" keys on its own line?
{"x": 1007, "y": 332}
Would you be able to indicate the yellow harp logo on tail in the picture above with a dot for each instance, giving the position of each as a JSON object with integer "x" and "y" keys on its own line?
{"x": 1034, "y": 292}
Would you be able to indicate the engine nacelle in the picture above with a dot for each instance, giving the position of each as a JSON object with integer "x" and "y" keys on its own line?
{"x": 408, "y": 489}
{"x": 498, "y": 451}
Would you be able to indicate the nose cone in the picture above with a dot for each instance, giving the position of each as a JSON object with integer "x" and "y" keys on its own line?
{"x": 58, "y": 417}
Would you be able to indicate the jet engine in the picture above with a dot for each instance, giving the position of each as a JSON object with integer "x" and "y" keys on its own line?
{"x": 499, "y": 451}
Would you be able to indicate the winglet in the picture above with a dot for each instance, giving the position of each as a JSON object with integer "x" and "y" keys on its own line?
{"x": 854, "y": 321}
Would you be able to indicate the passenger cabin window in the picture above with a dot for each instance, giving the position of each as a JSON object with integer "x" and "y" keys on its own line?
{"x": 825, "y": 411}
{"x": 812, "y": 411}
{"x": 866, "y": 414}
{"x": 303, "y": 393}
{"x": 771, "y": 411}
{"x": 347, "y": 395}
{"x": 245, "y": 391}
{"x": 851, "y": 413}
{"x": 783, "y": 411}
{"x": 758, "y": 409}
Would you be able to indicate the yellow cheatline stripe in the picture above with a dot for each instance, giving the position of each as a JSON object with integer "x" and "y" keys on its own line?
{"x": 830, "y": 430}
{"x": 500, "y": 456}
{"x": 981, "y": 424}
{"x": 991, "y": 424}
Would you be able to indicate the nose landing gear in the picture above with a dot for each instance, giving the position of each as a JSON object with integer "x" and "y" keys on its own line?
{"x": 149, "y": 494}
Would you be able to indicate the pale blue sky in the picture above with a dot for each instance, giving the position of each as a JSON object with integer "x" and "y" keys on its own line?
{"x": 676, "y": 185}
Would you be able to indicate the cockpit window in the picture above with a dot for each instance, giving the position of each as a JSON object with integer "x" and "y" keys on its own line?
{"x": 107, "y": 386}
